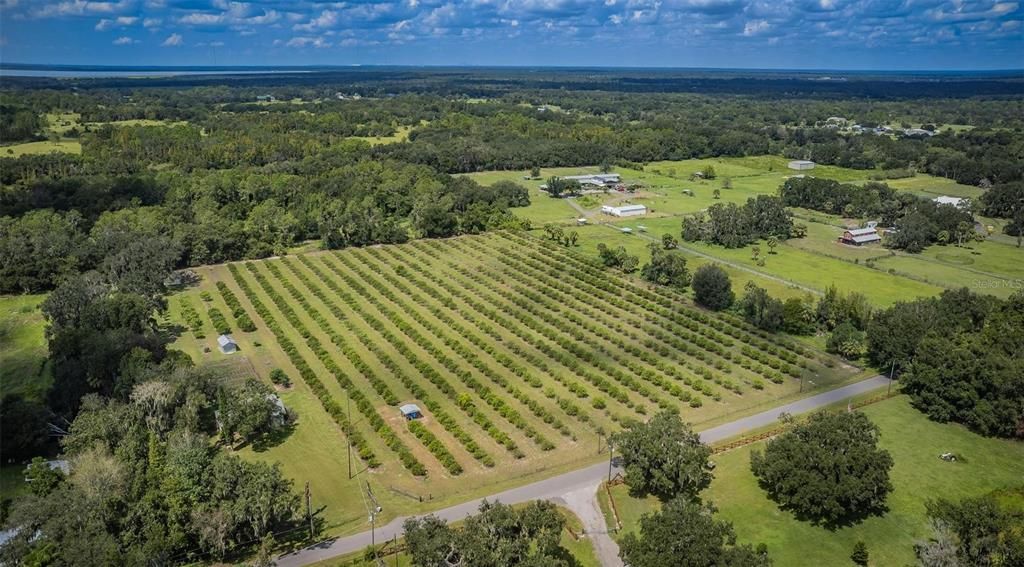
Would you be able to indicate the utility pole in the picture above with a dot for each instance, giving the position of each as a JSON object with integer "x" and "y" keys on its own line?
{"x": 892, "y": 373}
{"x": 309, "y": 510}
{"x": 348, "y": 432}
{"x": 396, "y": 549}
{"x": 374, "y": 510}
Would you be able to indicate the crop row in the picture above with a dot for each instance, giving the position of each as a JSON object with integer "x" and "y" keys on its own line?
{"x": 568, "y": 335}
{"x": 480, "y": 320}
{"x": 241, "y": 316}
{"x": 557, "y": 354}
{"x": 467, "y": 354}
{"x": 492, "y": 399}
{"x": 662, "y": 311}
{"x": 307, "y": 374}
{"x": 441, "y": 416}
{"x": 565, "y": 294}
{"x": 729, "y": 324}
{"x": 192, "y": 318}
{"x": 364, "y": 405}
{"x": 557, "y": 295}
{"x": 353, "y": 357}
{"x": 426, "y": 370}
{"x": 220, "y": 324}
{"x": 436, "y": 447}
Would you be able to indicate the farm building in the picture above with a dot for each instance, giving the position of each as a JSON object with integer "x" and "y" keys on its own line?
{"x": 597, "y": 179}
{"x": 947, "y": 200}
{"x": 227, "y": 344}
{"x": 860, "y": 236}
{"x": 624, "y": 210}
{"x": 411, "y": 411}
{"x": 801, "y": 164}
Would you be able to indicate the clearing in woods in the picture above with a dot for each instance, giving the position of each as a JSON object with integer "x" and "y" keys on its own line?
{"x": 521, "y": 354}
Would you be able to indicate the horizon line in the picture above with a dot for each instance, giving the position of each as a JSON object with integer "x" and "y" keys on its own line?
{"x": 77, "y": 66}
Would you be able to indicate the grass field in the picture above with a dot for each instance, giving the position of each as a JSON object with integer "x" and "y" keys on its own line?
{"x": 915, "y": 444}
{"x": 401, "y": 134}
{"x": 800, "y": 265}
{"x": 43, "y": 147}
{"x": 520, "y": 354}
{"x": 23, "y": 346}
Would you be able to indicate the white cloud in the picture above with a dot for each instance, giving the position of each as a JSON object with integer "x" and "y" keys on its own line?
{"x": 119, "y": 22}
{"x": 80, "y": 8}
{"x": 756, "y": 27}
{"x": 326, "y": 19}
{"x": 173, "y": 40}
{"x": 151, "y": 23}
{"x": 125, "y": 40}
{"x": 303, "y": 41}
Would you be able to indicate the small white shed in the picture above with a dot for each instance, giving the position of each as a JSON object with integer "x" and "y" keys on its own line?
{"x": 227, "y": 344}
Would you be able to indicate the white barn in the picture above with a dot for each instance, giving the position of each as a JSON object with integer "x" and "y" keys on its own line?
{"x": 801, "y": 164}
{"x": 947, "y": 200}
{"x": 624, "y": 210}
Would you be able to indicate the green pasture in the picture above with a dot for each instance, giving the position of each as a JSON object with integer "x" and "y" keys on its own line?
{"x": 23, "y": 367}
{"x": 919, "y": 474}
{"x": 41, "y": 147}
{"x": 796, "y": 265}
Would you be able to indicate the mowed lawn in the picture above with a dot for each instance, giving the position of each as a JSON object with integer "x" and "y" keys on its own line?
{"x": 919, "y": 474}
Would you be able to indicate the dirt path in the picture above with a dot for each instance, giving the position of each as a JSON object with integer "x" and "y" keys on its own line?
{"x": 583, "y": 502}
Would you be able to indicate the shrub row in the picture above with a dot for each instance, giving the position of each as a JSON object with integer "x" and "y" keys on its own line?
{"x": 499, "y": 405}
{"x": 364, "y": 405}
{"x": 434, "y": 445}
{"x": 353, "y": 357}
{"x": 423, "y": 368}
{"x": 469, "y": 355}
{"x": 421, "y": 395}
{"x": 484, "y": 312}
{"x": 192, "y": 318}
{"x": 306, "y": 372}
{"x": 220, "y": 324}
{"x": 241, "y": 316}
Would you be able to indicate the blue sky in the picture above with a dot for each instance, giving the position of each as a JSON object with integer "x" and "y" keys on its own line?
{"x": 832, "y": 34}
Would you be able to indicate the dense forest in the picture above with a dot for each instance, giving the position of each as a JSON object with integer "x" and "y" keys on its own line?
{"x": 227, "y": 177}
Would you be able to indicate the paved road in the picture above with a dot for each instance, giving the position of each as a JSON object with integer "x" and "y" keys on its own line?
{"x": 558, "y": 487}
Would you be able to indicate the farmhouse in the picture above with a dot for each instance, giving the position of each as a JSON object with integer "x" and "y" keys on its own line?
{"x": 624, "y": 210}
{"x": 265, "y": 98}
{"x": 227, "y": 344}
{"x": 411, "y": 411}
{"x": 801, "y": 164}
{"x": 947, "y": 200}
{"x": 860, "y": 236}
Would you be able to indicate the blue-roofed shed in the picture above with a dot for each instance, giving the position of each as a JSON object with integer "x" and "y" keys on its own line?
{"x": 411, "y": 411}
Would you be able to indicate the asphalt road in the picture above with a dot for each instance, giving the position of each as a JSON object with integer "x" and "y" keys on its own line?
{"x": 556, "y": 488}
